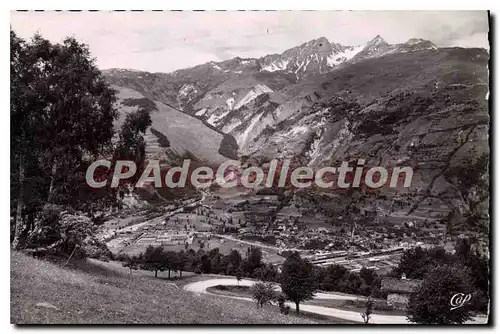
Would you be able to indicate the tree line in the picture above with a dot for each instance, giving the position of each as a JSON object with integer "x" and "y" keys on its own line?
{"x": 157, "y": 259}
{"x": 297, "y": 276}
{"x": 442, "y": 273}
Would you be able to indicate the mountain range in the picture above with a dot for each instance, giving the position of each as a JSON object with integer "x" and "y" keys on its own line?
{"x": 321, "y": 102}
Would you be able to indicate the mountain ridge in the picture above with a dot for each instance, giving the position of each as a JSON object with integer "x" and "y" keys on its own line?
{"x": 410, "y": 103}
{"x": 320, "y": 47}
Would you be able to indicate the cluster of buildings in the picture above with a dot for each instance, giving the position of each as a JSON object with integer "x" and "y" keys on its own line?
{"x": 291, "y": 226}
{"x": 263, "y": 218}
{"x": 171, "y": 237}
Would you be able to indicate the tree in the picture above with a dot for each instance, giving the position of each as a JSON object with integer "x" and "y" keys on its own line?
{"x": 171, "y": 261}
{"x": 216, "y": 265}
{"x": 434, "y": 300}
{"x": 229, "y": 269}
{"x": 281, "y": 299}
{"x": 60, "y": 231}
{"x": 239, "y": 274}
{"x": 263, "y": 293}
{"x": 297, "y": 279}
{"x": 468, "y": 253}
{"x": 333, "y": 276}
{"x": 368, "y": 275}
{"x": 27, "y": 103}
{"x": 368, "y": 310}
{"x": 253, "y": 259}
{"x": 62, "y": 113}
{"x": 154, "y": 259}
{"x": 415, "y": 262}
{"x": 182, "y": 260}
{"x": 206, "y": 263}
{"x": 132, "y": 262}
{"x": 235, "y": 258}
{"x": 80, "y": 110}
{"x": 131, "y": 144}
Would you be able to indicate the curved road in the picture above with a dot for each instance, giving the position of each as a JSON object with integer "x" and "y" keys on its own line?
{"x": 201, "y": 287}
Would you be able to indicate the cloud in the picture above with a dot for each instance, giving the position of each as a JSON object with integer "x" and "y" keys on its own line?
{"x": 166, "y": 41}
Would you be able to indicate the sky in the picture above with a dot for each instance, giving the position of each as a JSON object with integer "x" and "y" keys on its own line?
{"x": 167, "y": 41}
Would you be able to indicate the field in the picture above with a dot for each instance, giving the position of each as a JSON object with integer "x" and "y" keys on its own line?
{"x": 93, "y": 293}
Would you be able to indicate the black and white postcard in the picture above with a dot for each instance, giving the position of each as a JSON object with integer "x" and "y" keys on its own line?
{"x": 250, "y": 167}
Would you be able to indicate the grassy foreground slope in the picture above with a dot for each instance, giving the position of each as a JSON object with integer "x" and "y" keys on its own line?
{"x": 45, "y": 293}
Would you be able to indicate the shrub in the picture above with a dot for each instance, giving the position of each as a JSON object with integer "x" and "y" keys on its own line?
{"x": 431, "y": 302}
{"x": 263, "y": 293}
{"x": 59, "y": 230}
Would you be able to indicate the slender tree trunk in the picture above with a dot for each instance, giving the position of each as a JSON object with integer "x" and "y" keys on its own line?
{"x": 71, "y": 255}
{"x": 297, "y": 307}
{"x": 180, "y": 273}
{"x": 169, "y": 273}
{"x": 30, "y": 223}
{"x": 52, "y": 180}
{"x": 20, "y": 228}
{"x": 156, "y": 273}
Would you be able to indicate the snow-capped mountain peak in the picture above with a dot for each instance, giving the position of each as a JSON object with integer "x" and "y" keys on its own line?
{"x": 313, "y": 57}
{"x": 416, "y": 44}
{"x": 319, "y": 56}
{"x": 376, "y": 41}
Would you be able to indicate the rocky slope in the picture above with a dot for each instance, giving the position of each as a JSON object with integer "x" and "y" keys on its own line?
{"x": 320, "y": 103}
{"x": 183, "y": 88}
{"x": 174, "y": 134}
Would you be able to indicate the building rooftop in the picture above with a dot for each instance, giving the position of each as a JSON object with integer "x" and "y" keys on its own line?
{"x": 396, "y": 285}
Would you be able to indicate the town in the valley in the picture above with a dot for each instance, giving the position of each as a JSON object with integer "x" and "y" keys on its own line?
{"x": 375, "y": 238}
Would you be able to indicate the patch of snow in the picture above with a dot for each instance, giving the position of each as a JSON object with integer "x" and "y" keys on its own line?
{"x": 284, "y": 64}
{"x": 307, "y": 63}
{"x": 231, "y": 126}
{"x": 270, "y": 68}
{"x": 214, "y": 119}
{"x": 299, "y": 67}
{"x": 252, "y": 94}
{"x": 322, "y": 112}
{"x": 201, "y": 112}
{"x": 341, "y": 57}
{"x": 314, "y": 152}
{"x": 403, "y": 159}
{"x": 243, "y": 137}
{"x": 342, "y": 135}
{"x": 326, "y": 151}
{"x": 187, "y": 89}
{"x": 299, "y": 130}
{"x": 276, "y": 66}
{"x": 413, "y": 41}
